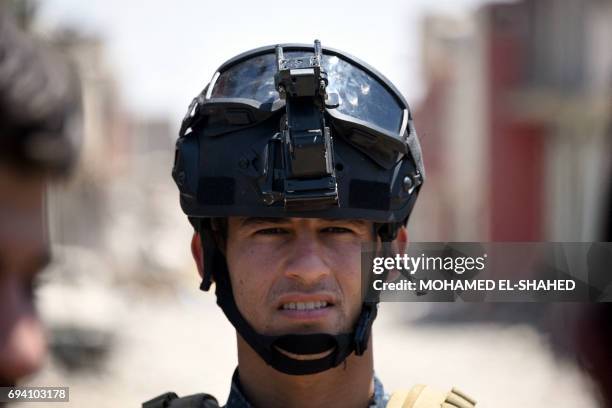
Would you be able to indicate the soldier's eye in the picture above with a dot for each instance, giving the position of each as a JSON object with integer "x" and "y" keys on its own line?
{"x": 337, "y": 230}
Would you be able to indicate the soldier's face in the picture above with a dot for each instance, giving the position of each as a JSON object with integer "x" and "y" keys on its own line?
{"x": 23, "y": 253}
{"x": 297, "y": 275}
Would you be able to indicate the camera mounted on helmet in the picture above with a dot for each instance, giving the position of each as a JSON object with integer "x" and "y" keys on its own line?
{"x": 309, "y": 179}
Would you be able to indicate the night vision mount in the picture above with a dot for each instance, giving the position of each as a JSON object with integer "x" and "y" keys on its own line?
{"x": 304, "y": 144}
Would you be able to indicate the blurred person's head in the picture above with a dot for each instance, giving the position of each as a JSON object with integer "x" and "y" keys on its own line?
{"x": 39, "y": 111}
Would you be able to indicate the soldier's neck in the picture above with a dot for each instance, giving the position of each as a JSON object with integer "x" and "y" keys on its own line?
{"x": 348, "y": 385}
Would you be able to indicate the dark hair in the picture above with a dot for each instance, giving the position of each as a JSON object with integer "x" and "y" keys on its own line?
{"x": 40, "y": 103}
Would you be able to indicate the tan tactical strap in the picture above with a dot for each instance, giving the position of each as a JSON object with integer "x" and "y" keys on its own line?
{"x": 457, "y": 398}
{"x": 397, "y": 399}
{"x": 463, "y": 395}
{"x": 422, "y": 396}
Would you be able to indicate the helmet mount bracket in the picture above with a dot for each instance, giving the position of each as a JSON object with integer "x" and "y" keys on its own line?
{"x": 307, "y": 159}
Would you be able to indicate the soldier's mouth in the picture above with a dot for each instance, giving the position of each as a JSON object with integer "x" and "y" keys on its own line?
{"x": 306, "y": 307}
{"x": 306, "y": 311}
{"x": 321, "y": 304}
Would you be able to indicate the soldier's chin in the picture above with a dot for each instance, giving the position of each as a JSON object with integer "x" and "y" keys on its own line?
{"x": 305, "y": 357}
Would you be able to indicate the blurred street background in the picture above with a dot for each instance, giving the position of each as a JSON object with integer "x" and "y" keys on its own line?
{"x": 513, "y": 105}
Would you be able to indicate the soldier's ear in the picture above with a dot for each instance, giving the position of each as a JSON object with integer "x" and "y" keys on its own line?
{"x": 198, "y": 253}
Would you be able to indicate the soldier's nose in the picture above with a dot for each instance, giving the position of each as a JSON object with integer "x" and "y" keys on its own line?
{"x": 307, "y": 263}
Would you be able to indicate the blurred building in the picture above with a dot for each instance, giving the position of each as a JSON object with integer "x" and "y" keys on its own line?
{"x": 516, "y": 125}
{"x": 120, "y": 208}
{"x": 78, "y": 209}
{"x": 450, "y": 120}
{"x": 152, "y": 149}
{"x": 122, "y": 203}
{"x": 107, "y": 138}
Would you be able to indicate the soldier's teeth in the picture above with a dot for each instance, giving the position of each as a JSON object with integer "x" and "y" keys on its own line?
{"x": 304, "y": 305}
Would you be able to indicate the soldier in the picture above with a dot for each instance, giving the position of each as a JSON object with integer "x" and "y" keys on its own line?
{"x": 290, "y": 159}
{"x": 39, "y": 115}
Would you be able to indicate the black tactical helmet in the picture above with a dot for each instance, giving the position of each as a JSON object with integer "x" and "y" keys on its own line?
{"x": 297, "y": 131}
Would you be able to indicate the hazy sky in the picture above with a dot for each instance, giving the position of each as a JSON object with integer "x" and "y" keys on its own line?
{"x": 164, "y": 53}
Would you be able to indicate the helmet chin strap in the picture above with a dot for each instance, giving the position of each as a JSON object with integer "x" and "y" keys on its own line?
{"x": 329, "y": 350}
